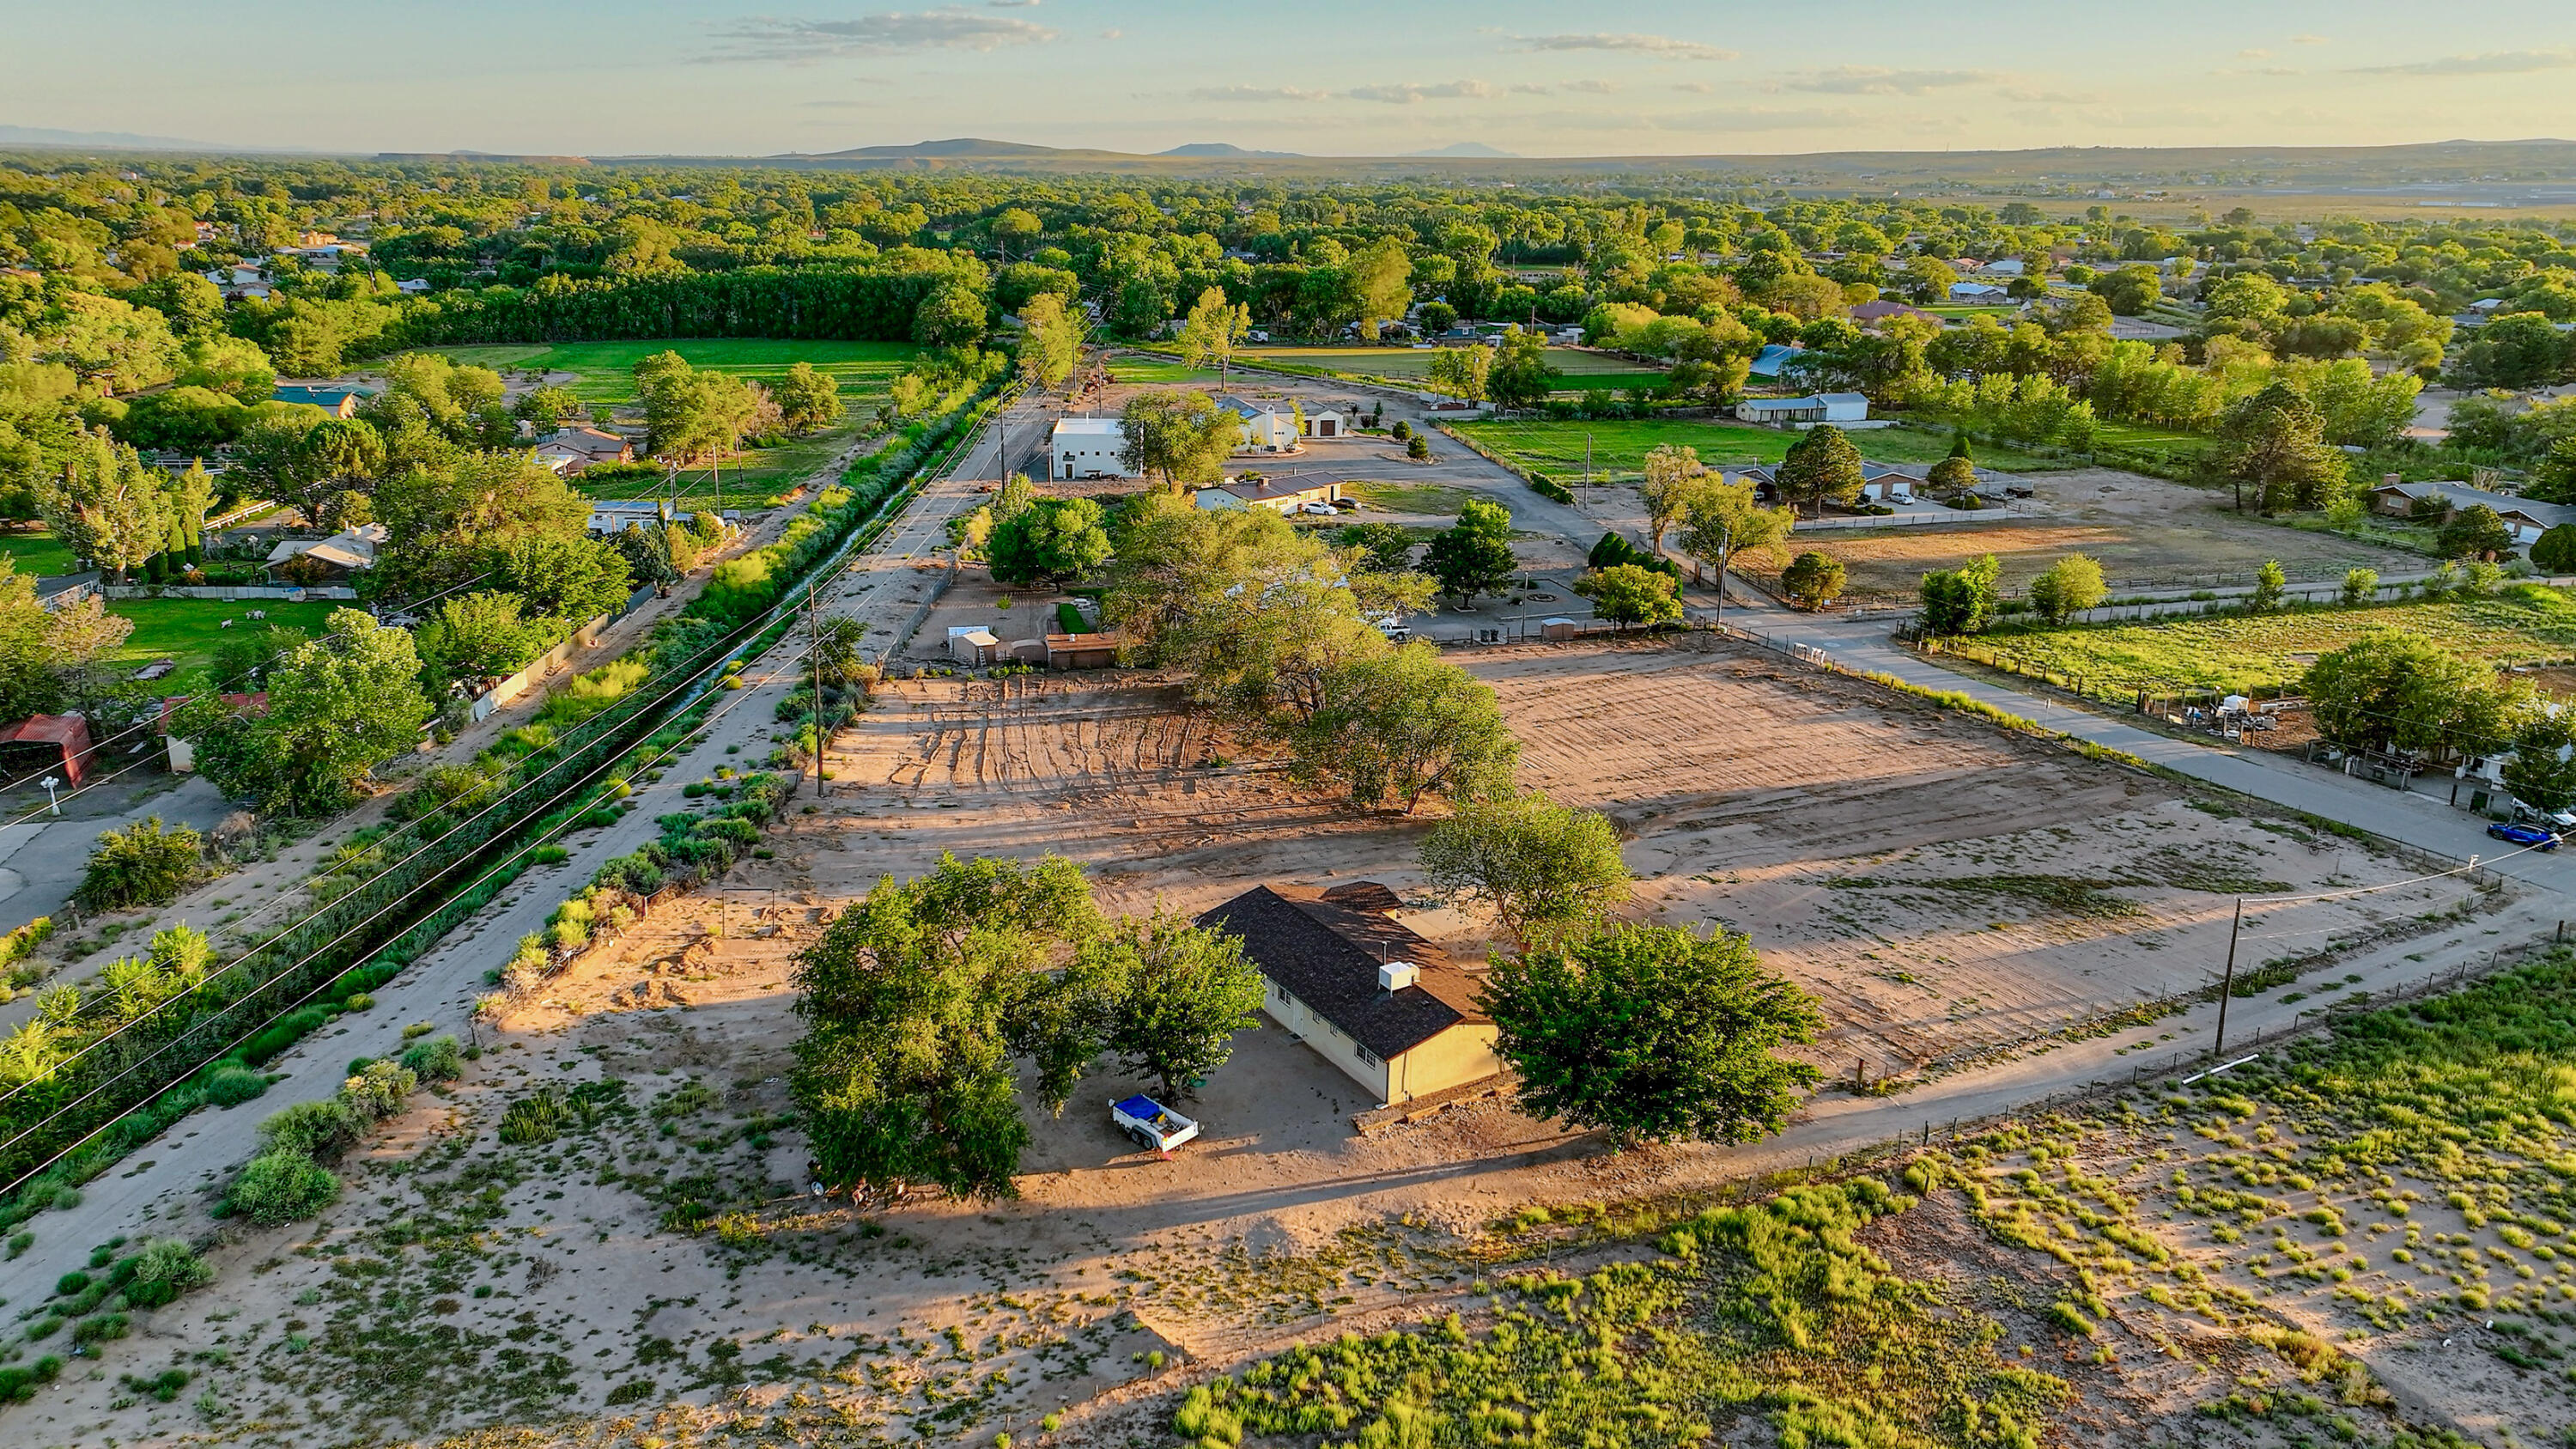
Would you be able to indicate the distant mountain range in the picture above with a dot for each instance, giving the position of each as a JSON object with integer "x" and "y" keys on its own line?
{"x": 1221, "y": 148}
{"x": 105, "y": 140}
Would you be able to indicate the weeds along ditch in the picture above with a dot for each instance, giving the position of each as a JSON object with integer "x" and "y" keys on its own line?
{"x": 78, "y": 1094}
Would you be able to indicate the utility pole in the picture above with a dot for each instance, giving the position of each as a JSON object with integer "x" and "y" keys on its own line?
{"x": 1725, "y": 551}
{"x": 1587, "y": 459}
{"x": 2227, "y": 983}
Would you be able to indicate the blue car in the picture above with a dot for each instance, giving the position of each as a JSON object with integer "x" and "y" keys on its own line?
{"x": 2531, "y": 835}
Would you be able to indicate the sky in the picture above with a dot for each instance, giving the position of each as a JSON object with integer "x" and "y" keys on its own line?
{"x": 1325, "y": 77}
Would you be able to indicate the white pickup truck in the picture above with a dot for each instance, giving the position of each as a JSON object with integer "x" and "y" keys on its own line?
{"x": 1152, "y": 1124}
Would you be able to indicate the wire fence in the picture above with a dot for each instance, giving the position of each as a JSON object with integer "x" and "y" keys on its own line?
{"x": 2193, "y": 1061}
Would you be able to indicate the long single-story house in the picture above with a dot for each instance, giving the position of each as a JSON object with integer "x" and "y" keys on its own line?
{"x": 2526, "y": 518}
{"x": 1088, "y": 448}
{"x": 342, "y": 554}
{"x": 1978, "y": 293}
{"x": 570, "y": 450}
{"x": 1827, "y": 407}
{"x": 1770, "y": 359}
{"x": 1387, "y": 1007}
{"x": 1283, "y": 495}
{"x": 339, "y": 402}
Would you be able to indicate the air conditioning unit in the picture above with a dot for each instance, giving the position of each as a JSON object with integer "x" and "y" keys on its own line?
{"x": 1397, "y": 975}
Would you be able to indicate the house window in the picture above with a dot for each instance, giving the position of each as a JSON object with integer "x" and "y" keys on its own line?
{"x": 1366, "y": 1056}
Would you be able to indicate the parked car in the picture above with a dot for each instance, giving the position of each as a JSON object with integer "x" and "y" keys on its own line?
{"x": 1325, "y": 509}
{"x": 2560, "y": 821}
{"x": 2531, "y": 836}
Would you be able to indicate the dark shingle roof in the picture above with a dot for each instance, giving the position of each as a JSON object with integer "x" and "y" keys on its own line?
{"x": 1326, "y": 955}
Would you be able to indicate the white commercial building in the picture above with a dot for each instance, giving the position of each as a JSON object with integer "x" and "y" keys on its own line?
{"x": 1089, "y": 448}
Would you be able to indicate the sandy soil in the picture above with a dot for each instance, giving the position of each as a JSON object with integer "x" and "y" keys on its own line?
{"x": 2147, "y": 533}
{"x": 656, "y": 1268}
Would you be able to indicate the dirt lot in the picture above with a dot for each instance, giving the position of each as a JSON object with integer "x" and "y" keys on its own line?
{"x": 655, "y": 1269}
{"x": 2148, "y": 534}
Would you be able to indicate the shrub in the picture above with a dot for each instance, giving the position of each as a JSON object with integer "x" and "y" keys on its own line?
{"x": 359, "y": 1001}
{"x": 234, "y": 1084}
{"x": 535, "y": 1119}
{"x": 435, "y": 1060}
{"x": 71, "y": 1283}
{"x": 144, "y": 864}
{"x": 164, "y": 1269}
{"x": 280, "y": 1187}
{"x": 378, "y": 1092}
{"x": 100, "y": 1329}
{"x": 316, "y": 1131}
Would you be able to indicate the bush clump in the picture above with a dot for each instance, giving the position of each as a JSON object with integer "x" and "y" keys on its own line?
{"x": 232, "y": 1084}
{"x": 145, "y": 864}
{"x": 279, "y": 1187}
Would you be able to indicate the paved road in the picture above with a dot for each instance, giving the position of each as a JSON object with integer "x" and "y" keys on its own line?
{"x": 880, "y": 587}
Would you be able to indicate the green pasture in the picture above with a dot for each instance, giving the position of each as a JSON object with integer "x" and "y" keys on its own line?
{"x": 1619, "y": 448}
{"x": 186, "y": 631}
{"x": 37, "y": 554}
{"x": 2526, "y": 624}
{"x": 606, "y": 370}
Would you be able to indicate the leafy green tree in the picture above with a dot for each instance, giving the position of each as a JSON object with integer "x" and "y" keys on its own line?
{"x": 1474, "y": 555}
{"x": 1183, "y": 993}
{"x": 2272, "y": 446}
{"x": 952, "y": 316}
{"x": 1812, "y": 579}
{"x": 808, "y": 400}
{"x": 2399, "y": 692}
{"x": 1388, "y": 547}
{"x": 2271, "y": 583}
{"x": 234, "y": 366}
{"x": 1211, "y": 331}
{"x": 334, "y": 458}
{"x": 1521, "y": 376}
{"x": 647, "y": 551}
{"x": 481, "y": 635}
{"x": 1379, "y": 277}
{"x": 1724, "y": 518}
{"x": 2131, "y": 290}
{"x": 144, "y": 864}
{"x": 2361, "y": 586}
{"x": 445, "y": 525}
{"x": 1178, "y": 436}
{"x": 1961, "y": 600}
{"x": 1953, "y": 476}
{"x": 1545, "y": 870}
{"x": 2069, "y": 586}
{"x": 106, "y": 506}
{"x": 2517, "y": 350}
{"x": 561, "y": 576}
{"x": 1822, "y": 467}
{"x": 544, "y": 409}
{"x": 915, "y": 1000}
{"x": 1673, "y": 481}
{"x": 2541, "y": 772}
{"x": 2554, "y": 552}
{"x": 336, "y": 707}
{"x": 2475, "y": 532}
{"x": 1626, "y": 594}
{"x": 1653, "y": 1034}
{"x": 1461, "y": 372}
{"x": 1050, "y": 340}
{"x": 1051, "y": 541}
{"x": 1401, "y": 724}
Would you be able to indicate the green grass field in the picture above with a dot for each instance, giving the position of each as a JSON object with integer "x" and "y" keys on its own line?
{"x": 607, "y": 369}
{"x": 2526, "y": 624}
{"x": 2144, "y": 438}
{"x": 37, "y": 554}
{"x": 186, "y": 631}
{"x": 1619, "y": 449}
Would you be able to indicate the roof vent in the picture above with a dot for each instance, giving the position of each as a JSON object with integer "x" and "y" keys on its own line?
{"x": 1396, "y": 975}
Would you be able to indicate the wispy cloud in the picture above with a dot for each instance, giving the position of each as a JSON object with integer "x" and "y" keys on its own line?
{"x": 2500, "y": 62}
{"x": 1871, "y": 80}
{"x": 1663, "y": 45}
{"x": 1592, "y": 87}
{"x": 2031, "y": 96}
{"x": 1410, "y": 93}
{"x": 2257, "y": 53}
{"x": 778, "y": 38}
{"x": 1749, "y": 118}
{"x": 1258, "y": 93}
